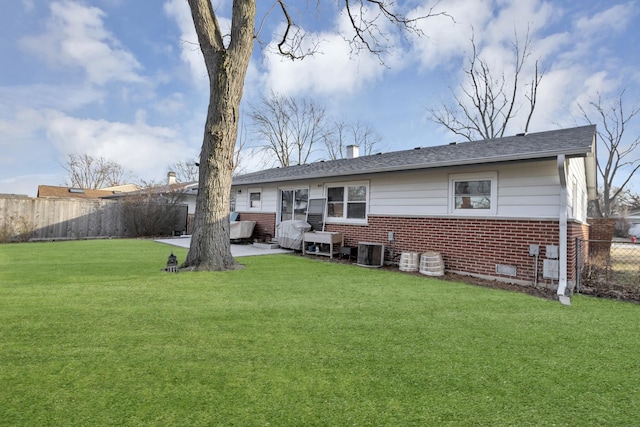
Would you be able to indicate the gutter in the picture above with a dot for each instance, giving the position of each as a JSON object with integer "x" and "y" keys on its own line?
{"x": 562, "y": 244}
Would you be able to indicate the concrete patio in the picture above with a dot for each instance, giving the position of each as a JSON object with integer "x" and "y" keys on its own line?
{"x": 237, "y": 250}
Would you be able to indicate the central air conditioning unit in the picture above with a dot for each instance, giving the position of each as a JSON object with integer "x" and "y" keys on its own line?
{"x": 370, "y": 254}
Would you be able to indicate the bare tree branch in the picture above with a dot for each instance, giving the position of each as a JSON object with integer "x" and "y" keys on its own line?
{"x": 85, "y": 171}
{"x": 185, "y": 170}
{"x": 290, "y": 128}
{"x": 344, "y": 134}
{"x": 619, "y": 162}
{"x": 486, "y": 105}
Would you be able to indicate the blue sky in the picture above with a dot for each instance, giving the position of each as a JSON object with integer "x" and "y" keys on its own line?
{"x": 125, "y": 81}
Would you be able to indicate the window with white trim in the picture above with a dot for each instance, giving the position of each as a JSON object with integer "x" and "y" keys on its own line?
{"x": 347, "y": 202}
{"x": 255, "y": 198}
{"x": 473, "y": 194}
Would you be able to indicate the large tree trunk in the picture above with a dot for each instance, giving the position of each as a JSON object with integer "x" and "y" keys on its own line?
{"x": 210, "y": 246}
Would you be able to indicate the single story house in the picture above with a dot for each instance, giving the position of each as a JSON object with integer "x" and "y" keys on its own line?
{"x": 186, "y": 192}
{"x": 486, "y": 206}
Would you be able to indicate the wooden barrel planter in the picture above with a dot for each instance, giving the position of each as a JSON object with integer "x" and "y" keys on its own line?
{"x": 431, "y": 264}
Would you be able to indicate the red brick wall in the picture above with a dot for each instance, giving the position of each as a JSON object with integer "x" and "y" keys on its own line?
{"x": 472, "y": 246}
{"x": 265, "y": 223}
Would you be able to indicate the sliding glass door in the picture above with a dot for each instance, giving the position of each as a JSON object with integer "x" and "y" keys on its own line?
{"x": 293, "y": 204}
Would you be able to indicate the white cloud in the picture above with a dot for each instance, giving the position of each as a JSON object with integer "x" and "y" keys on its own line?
{"x": 28, "y": 5}
{"x": 331, "y": 71}
{"x": 614, "y": 19}
{"x": 190, "y": 52}
{"x": 76, "y": 38}
{"x": 518, "y": 16}
{"x": 448, "y": 38}
{"x": 28, "y": 184}
{"x": 66, "y": 97}
{"x": 565, "y": 50}
{"x": 592, "y": 86}
{"x": 170, "y": 105}
{"x": 21, "y": 125}
{"x": 189, "y": 48}
{"x": 335, "y": 68}
{"x": 144, "y": 149}
{"x": 252, "y": 159}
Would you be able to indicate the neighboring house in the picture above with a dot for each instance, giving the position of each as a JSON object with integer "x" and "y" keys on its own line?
{"x": 84, "y": 193}
{"x": 185, "y": 191}
{"x": 71, "y": 192}
{"x": 480, "y": 204}
{"x": 124, "y": 188}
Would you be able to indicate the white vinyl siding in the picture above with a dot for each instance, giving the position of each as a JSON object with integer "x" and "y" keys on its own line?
{"x": 529, "y": 190}
{"x": 241, "y": 201}
{"x": 409, "y": 194}
{"x": 577, "y": 190}
{"x": 524, "y": 190}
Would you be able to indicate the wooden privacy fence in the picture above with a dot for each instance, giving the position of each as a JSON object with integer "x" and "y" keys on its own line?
{"x": 24, "y": 218}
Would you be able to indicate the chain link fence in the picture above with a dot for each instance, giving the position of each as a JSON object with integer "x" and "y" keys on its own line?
{"x": 608, "y": 269}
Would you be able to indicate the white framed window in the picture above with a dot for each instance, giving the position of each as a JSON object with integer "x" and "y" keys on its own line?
{"x": 473, "y": 194}
{"x": 255, "y": 198}
{"x": 347, "y": 202}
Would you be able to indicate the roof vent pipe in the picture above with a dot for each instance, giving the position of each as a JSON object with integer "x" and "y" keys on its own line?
{"x": 353, "y": 151}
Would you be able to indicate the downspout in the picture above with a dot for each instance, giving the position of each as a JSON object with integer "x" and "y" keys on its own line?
{"x": 562, "y": 244}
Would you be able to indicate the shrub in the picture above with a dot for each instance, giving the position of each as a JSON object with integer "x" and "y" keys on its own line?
{"x": 151, "y": 214}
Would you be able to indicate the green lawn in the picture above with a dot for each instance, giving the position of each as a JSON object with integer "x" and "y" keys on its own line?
{"x": 94, "y": 333}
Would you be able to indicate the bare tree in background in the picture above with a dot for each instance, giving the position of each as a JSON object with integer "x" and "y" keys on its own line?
{"x": 290, "y": 128}
{"x": 619, "y": 161}
{"x": 226, "y": 57}
{"x": 186, "y": 170}
{"x": 85, "y": 171}
{"x": 344, "y": 134}
{"x": 489, "y": 100}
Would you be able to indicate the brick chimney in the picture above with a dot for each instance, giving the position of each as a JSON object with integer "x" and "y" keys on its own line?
{"x": 353, "y": 151}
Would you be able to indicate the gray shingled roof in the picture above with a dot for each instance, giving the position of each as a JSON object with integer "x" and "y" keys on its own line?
{"x": 573, "y": 142}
